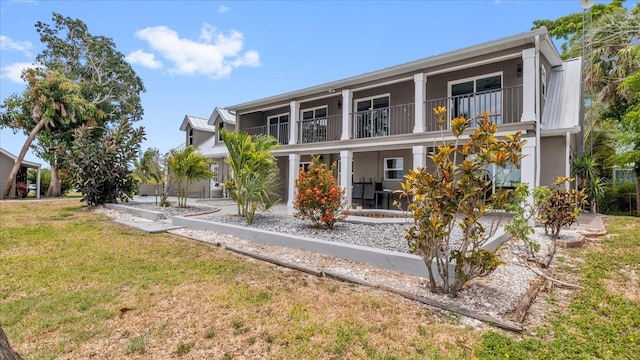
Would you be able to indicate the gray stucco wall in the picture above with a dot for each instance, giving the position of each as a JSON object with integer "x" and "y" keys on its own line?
{"x": 552, "y": 159}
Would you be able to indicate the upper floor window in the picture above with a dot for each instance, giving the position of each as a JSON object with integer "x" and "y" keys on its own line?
{"x": 543, "y": 81}
{"x": 393, "y": 168}
{"x": 313, "y": 127}
{"x": 372, "y": 116}
{"x": 472, "y": 96}
{"x": 279, "y": 127}
{"x": 190, "y": 137}
{"x": 220, "y": 127}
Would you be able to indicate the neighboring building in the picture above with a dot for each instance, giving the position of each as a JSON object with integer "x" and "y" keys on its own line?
{"x": 205, "y": 135}
{"x": 378, "y": 125}
{"x": 7, "y": 160}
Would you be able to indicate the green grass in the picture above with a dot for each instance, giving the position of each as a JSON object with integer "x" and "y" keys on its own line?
{"x": 603, "y": 320}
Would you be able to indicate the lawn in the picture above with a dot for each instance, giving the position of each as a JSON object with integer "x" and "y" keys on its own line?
{"x": 67, "y": 274}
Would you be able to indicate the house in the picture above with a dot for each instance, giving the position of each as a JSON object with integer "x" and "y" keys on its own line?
{"x": 377, "y": 125}
{"x": 205, "y": 135}
{"x": 7, "y": 160}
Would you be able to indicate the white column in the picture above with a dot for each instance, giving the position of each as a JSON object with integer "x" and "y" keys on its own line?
{"x": 38, "y": 184}
{"x": 419, "y": 156}
{"x": 346, "y": 169}
{"x": 567, "y": 159}
{"x": 294, "y": 113}
{"x": 528, "y": 167}
{"x": 347, "y": 105}
{"x": 528, "y": 85}
{"x": 294, "y": 169}
{"x": 420, "y": 81}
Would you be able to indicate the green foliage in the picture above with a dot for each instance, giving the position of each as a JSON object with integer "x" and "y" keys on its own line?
{"x": 318, "y": 197}
{"x": 254, "y": 176}
{"x": 558, "y": 208}
{"x": 149, "y": 169}
{"x": 184, "y": 348}
{"x": 100, "y": 169}
{"x": 619, "y": 200}
{"x": 455, "y": 195}
{"x": 187, "y": 166}
{"x": 518, "y": 226}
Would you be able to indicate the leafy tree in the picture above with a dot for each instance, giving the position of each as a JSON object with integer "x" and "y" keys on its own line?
{"x": 149, "y": 168}
{"x": 455, "y": 195}
{"x": 318, "y": 197}
{"x": 101, "y": 169}
{"x": 187, "y": 166}
{"x": 254, "y": 171}
{"x": 50, "y": 100}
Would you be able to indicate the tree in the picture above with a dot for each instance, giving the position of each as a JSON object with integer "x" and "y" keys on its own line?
{"x": 186, "y": 167}
{"x": 105, "y": 79}
{"x": 101, "y": 168}
{"x": 6, "y": 352}
{"x": 254, "y": 169}
{"x": 455, "y": 194}
{"x": 148, "y": 169}
{"x": 50, "y": 100}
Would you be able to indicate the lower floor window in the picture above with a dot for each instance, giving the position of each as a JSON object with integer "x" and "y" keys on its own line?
{"x": 393, "y": 168}
{"x": 505, "y": 176}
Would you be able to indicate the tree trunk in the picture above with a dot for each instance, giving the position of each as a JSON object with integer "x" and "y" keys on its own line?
{"x": 55, "y": 186}
{"x": 637, "y": 170}
{"x": 6, "y": 352}
{"x": 16, "y": 166}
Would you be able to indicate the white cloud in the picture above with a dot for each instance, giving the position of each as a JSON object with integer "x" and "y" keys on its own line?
{"x": 144, "y": 58}
{"x": 214, "y": 54}
{"x": 223, "y": 9}
{"x": 6, "y": 43}
{"x": 14, "y": 71}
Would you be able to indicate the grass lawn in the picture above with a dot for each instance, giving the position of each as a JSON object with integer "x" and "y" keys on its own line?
{"x": 66, "y": 273}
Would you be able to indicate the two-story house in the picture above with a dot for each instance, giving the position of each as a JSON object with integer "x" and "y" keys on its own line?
{"x": 378, "y": 125}
{"x": 205, "y": 135}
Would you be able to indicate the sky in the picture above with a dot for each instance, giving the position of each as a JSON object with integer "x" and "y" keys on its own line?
{"x": 195, "y": 55}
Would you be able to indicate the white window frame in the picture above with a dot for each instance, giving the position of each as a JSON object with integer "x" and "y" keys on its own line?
{"x": 219, "y": 130}
{"x": 214, "y": 168}
{"x": 371, "y": 98}
{"x": 277, "y": 135}
{"x": 386, "y": 170}
{"x": 190, "y": 136}
{"x": 469, "y": 79}
{"x": 304, "y": 165}
{"x": 302, "y": 111}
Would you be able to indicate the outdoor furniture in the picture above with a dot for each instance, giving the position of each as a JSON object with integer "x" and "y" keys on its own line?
{"x": 369, "y": 195}
{"x": 356, "y": 195}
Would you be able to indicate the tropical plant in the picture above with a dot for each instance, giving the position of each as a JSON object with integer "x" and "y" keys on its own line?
{"x": 558, "y": 208}
{"x": 254, "y": 171}
{"x": 318, "y": 196}
{"x": 187, "y": 166}
{"x": 523, "y": 212}
{"x": 454, "y": 194}
{"x": 101, "y": 169}
{"x": 49, "y": 101}
{"x": 149, "y": 169}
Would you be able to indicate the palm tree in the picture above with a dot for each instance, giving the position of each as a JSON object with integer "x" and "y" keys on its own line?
{"x": 186, "y": 167}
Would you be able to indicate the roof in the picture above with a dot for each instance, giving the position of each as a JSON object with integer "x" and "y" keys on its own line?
{"x": 197, "y": 123}
{"x": 223, "y": 114}
{"x": 523, "y": 39}
{"x": 218, "y": 151}
{"x": 562, "y": 109}
{"x": 25, "y": 163}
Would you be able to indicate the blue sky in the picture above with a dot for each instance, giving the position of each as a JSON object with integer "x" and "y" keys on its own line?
{"x": 195, "y": 55}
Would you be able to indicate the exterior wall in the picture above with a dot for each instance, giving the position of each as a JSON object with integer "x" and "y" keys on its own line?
{"x": 547, "y": 66}
{"x": 331, "y": 104}
{"x": 400, "y": 93}
{"x": 201, "y": 139}
{"x": 6, "y": 164}
{"x": 369, "y": 167}
{"x": 552, "y": 159}
{"x": 283, "y": 168}
{"x": 250, "y": 120}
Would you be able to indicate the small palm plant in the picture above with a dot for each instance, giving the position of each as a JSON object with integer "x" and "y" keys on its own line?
{"x": 186, "y": 167}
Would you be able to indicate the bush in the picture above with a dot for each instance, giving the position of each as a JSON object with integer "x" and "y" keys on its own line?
{"x": 619, "y": 200}
{"x": 319, "y": 198}
{"x": 558, "y": 208}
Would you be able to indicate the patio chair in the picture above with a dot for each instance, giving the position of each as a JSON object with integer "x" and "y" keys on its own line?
{"x": 369, "y": 195}
{"x": 356, "y": 195}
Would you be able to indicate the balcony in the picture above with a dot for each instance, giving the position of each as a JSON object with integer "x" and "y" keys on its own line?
{"x": 504, "y": 106}
{"x": 322, "y": 129}
{"x": 393, "y": 120}
{"x": 279, "y": 131}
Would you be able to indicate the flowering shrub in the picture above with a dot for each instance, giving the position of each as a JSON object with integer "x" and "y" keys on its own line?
{"x": 319, "y": 198}
{"x": 558, "y": 208}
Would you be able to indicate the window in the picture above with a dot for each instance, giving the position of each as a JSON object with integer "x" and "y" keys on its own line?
{"x": 190, "y": 137}
{"x": 471, "y": 97}
{"x": 214, "y": 169}
{"x": 279, "y": 127}
{"x": 220, "y": 127}
{"x": 393, "y": 168}
{"x": 543, "y": 85}
{"x": 507, "y": 177}
{"x": 304, "y": 166}
{"x": 372, "y": 117}
{"x": 313, "y": 127}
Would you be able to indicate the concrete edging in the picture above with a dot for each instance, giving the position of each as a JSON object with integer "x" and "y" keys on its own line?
{"x": 392, "y": 260}
{"x": 142, "y": 213}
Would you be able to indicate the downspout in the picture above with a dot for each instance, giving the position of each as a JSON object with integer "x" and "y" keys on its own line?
{"x": 538, "y": 109}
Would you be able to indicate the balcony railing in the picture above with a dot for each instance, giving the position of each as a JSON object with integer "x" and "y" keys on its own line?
{"x": 279, "y": 131}
{"x": 504, "y": 106}
{"x": 394, "y": 120}
{"x": 322, "y": 129}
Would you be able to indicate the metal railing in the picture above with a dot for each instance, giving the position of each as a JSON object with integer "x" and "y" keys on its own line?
{"x": 322, "y": 129}
{"x": 279, "y": 131}
{"x": 504, "y": 106}
{"x": 393, "y": 120}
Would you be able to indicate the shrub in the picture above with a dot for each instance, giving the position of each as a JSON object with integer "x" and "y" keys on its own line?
{"x": 455, "y": 194}
{"x": 619, "y": 199}
{"x": 318, "y": 197}
{"x": 558, "y": 208}
{"x": 518, "y": 226}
